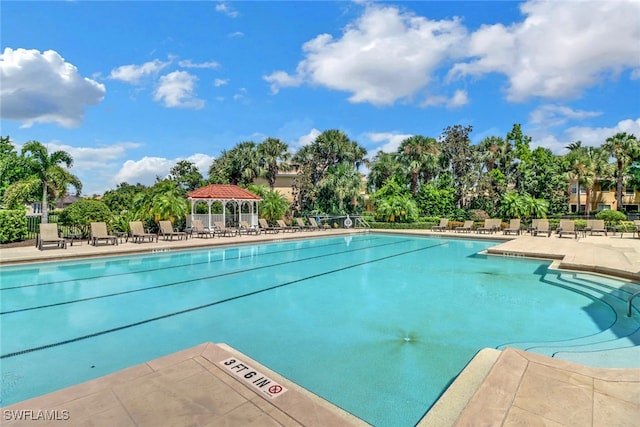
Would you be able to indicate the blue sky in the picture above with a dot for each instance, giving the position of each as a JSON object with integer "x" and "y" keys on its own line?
{"x": 129, "y": 88}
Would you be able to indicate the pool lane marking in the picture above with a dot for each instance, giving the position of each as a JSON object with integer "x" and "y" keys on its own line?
{"x": 211, "y": 304}
{"x": 179, "y": 265}
{"x": 182, "y": 282}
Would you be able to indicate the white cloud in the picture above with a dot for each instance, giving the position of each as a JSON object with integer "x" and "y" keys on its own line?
{"x": 384, "y": 56}
{"x": 391, "y": 141}
{"x": 220, "y": 82}
{"x": 459, "y": 99}
{"x": 177, "y": 89}
{"x": 280, "y": 79}
{"x": 235, "y": 34}
{"x": 554, "y": 115}
{"x": 559, "y": 49}
{"x": 133, "y": 74}
{"x": 187, "y": 63}
{"x": 226, "y": 9}
{"x": 145, "y": 170}
{"x": 590, "y": 136}
{"x": 41, "y": 87}
{"x": 308, "y": 138}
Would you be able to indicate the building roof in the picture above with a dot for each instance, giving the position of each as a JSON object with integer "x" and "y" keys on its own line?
{"x": 223, "y": 192}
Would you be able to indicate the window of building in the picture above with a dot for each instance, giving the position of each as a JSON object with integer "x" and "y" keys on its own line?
{"x": 602, "y": 207}
{"x": 574, "y": 189}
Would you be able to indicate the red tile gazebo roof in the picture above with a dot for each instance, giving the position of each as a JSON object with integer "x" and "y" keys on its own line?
{"x": 223, "y": 192}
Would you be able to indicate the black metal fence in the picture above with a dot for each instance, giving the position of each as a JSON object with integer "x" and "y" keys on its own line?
{"x": 33, "y": 227}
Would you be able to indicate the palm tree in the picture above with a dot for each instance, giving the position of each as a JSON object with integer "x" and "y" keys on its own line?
{"x": 496, "y": 152}
{"x": 383, "y": 167}
{"x": 49, "y": 176}
{"x": 274, "y": 155}
{"x": 578, "y": 169}
{"x": 625, "y": 148}
{"x": 273, "y": 206}
{"x": 597, "y": 167}
{"x": 344, "y": 183}
{"x": 419, "y": 155}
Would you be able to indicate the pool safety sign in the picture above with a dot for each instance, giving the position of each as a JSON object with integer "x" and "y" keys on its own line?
{"x": 253, "y": 377}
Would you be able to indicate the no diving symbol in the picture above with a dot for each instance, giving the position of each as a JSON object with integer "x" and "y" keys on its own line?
{"x": 275, "y": 389}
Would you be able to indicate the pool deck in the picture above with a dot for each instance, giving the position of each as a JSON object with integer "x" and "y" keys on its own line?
{"x": 498, "y": 388}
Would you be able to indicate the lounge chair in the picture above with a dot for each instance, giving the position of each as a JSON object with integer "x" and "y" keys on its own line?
{"x": 567, "y": 227}
{"x": 245, "y": 228}
{"x": 49, "y": 236}
{"x": 542, "y": 228}
{"x": 137, "y": 233}
{"x": 534, "y": 225}
{"x": 444, "y": 223}
{"x": 99, "y": 233}
{"x": 200, "y": 230}
{"x": 224, "y": 231}
{"x": 167, "y": 231}
{"x": 514, "y": 227}
{"x": 466, "y": 228}
{"x": 303, "y": 226}
{"x": 491, "y": 225}
{"x": 264, "y": 226}
{"x": 314, "y": 224}
{"x": 596, "y": 226}
{"x": 285, "y": 227}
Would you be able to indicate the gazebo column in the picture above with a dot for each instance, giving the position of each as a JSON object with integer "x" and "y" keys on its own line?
{"x": 224, "y": 212}
{"x": 209, "y": 203}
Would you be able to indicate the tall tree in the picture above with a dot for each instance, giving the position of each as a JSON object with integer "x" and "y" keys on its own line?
{"x": 523, "y": 157}
{"x": 274, "y": 154}
{"x": 186, "y": 174}
{"x": 625, "y": 148}
{"x": 578, "y": 167}
{"x": 457, "y": 157}
{"x": 419, "y": 155}
{"x": 342, "y": 183}
{"x": 597, "y": 169}
{"x": 48, "y": 174}
{"x": 329, "y": 149}
{"x": 383, "y": 167}
{"x": 496, "y": 152}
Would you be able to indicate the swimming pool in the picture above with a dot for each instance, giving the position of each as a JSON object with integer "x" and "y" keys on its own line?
{"x": 377, "y": 324}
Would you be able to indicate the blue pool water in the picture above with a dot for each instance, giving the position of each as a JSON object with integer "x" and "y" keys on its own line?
{"x": 377, "y": 324}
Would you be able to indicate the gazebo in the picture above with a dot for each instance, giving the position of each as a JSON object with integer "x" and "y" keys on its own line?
{"x": 228, "y": 196}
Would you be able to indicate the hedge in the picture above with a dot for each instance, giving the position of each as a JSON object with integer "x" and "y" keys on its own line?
{"x": 13, "y": 226}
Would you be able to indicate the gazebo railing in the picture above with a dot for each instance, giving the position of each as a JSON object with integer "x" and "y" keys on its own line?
{"x": 207, "y": 220}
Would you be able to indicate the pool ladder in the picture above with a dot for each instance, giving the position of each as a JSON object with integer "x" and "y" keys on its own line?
{"x": 631, "y": 301}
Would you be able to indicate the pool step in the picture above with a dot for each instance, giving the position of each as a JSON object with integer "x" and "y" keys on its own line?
{"x": 601, "y": 348}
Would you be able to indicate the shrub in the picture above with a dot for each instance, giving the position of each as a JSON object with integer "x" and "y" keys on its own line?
{"x": 85, "y": 211}
{"x": 13, "y": 225}
{"x": 611, "y": 217}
